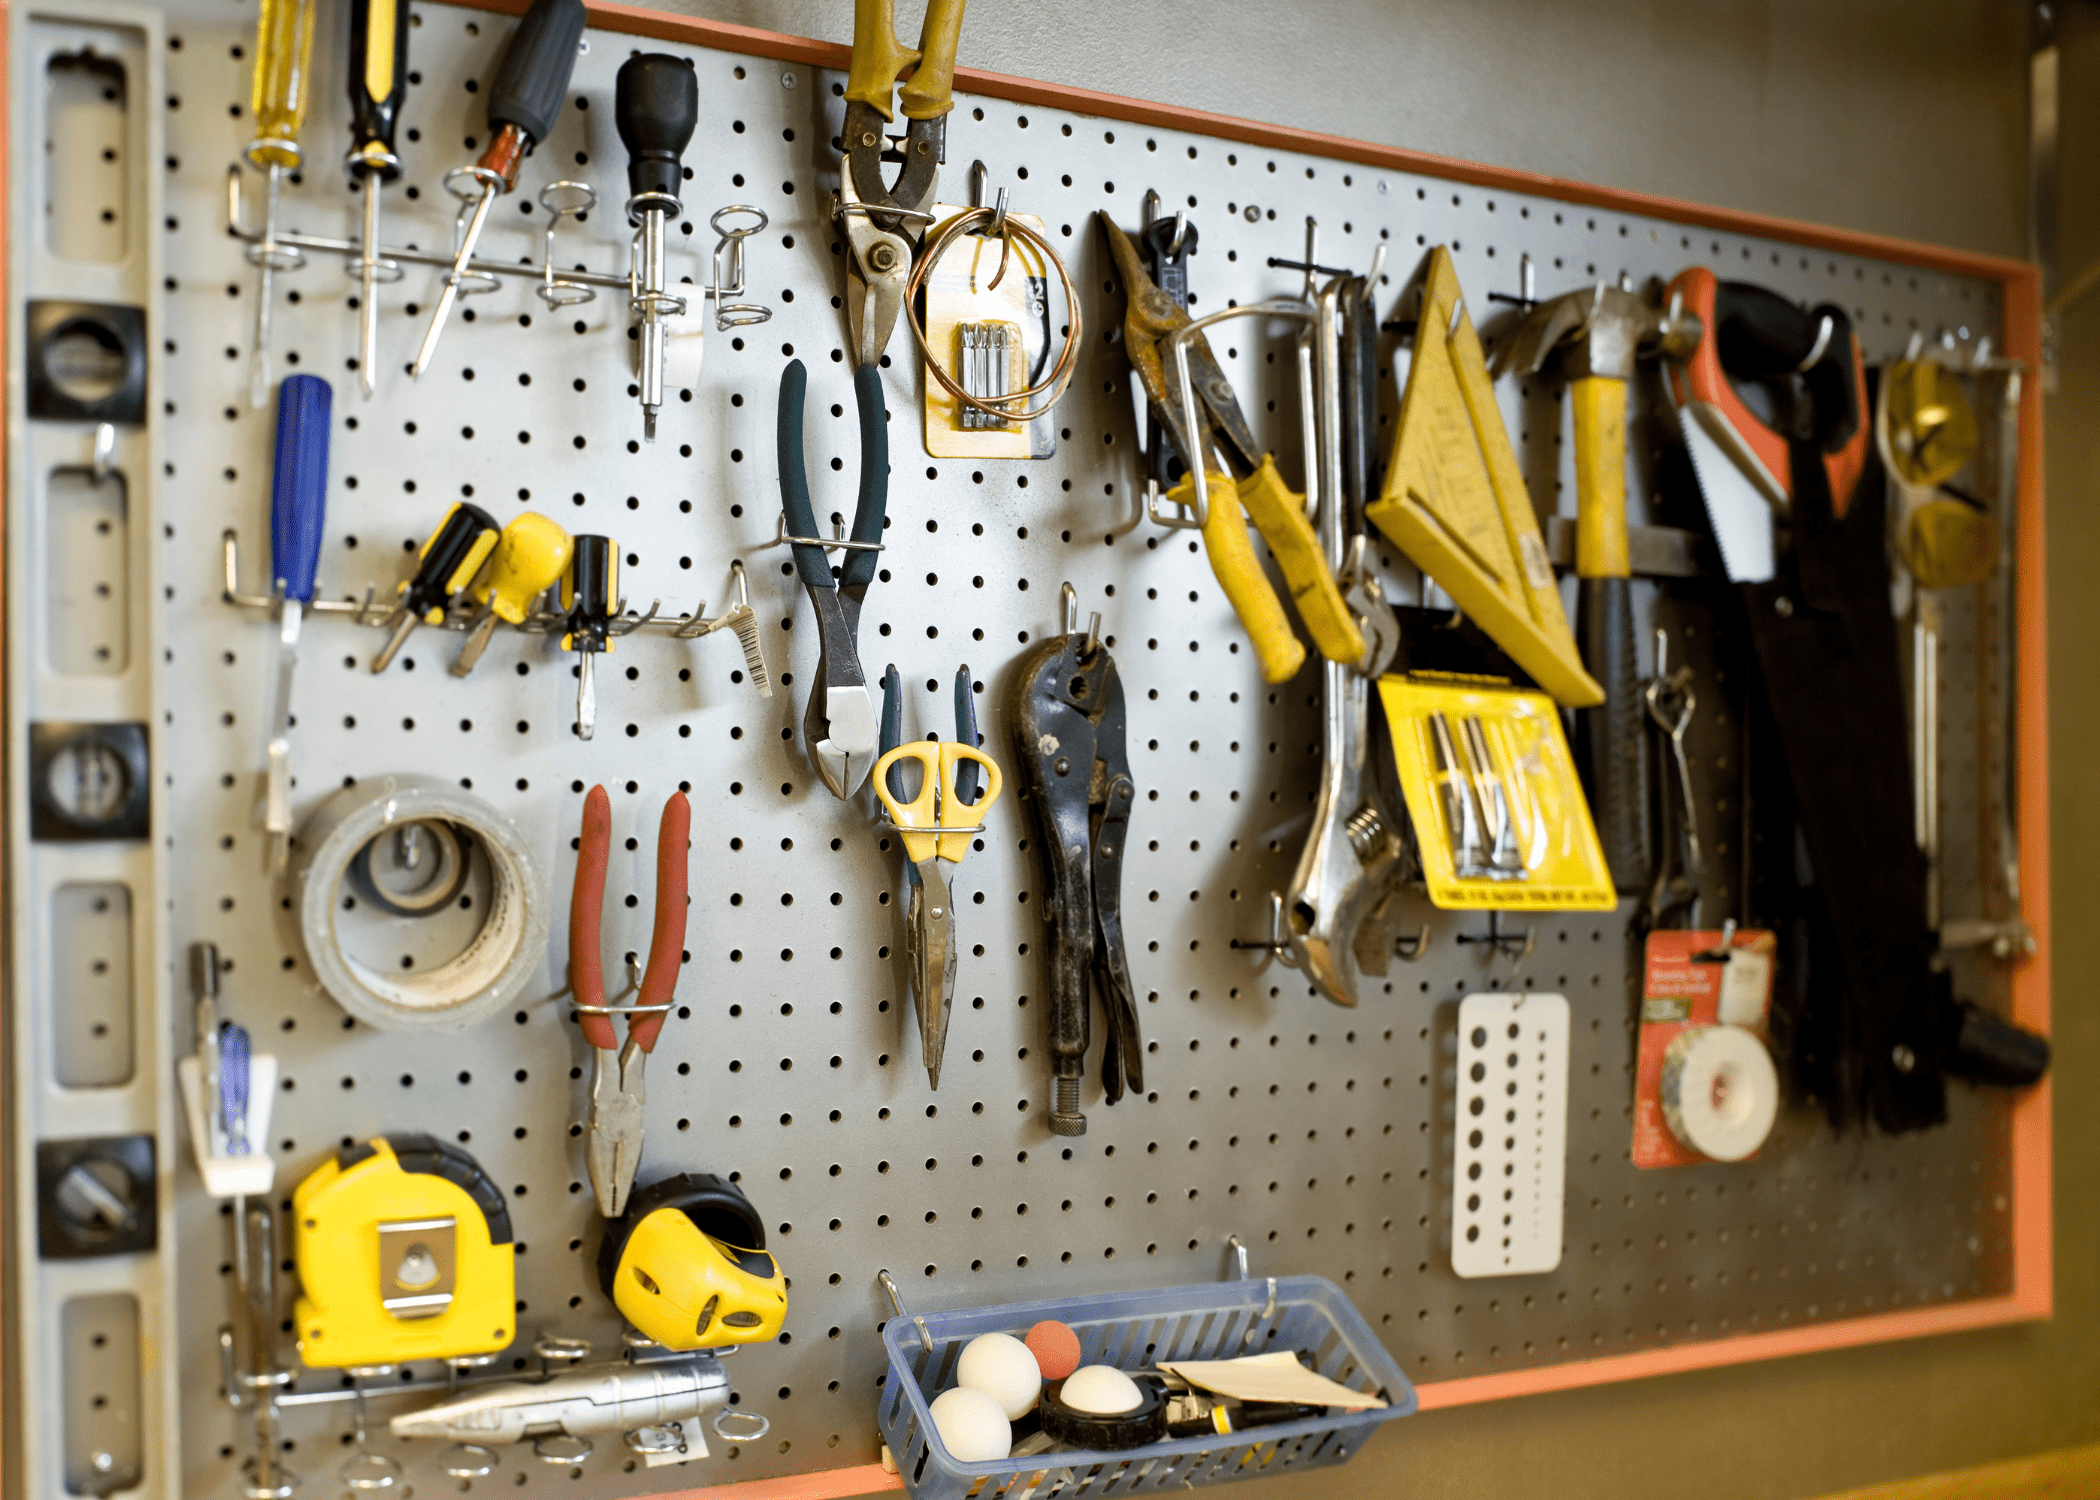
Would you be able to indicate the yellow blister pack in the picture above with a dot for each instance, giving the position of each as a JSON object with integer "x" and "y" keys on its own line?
{"x": 995, "y": 340}
{"x": 1498, "y": 809}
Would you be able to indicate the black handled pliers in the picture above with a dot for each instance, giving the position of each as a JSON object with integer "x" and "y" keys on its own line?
{"x": 838, "y": 723}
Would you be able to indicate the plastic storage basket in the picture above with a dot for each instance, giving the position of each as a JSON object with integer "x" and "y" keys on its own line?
{"x": 1134, "y": 1330}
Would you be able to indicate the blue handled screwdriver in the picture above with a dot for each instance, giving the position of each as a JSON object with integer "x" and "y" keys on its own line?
{"x": 298, "y": 506}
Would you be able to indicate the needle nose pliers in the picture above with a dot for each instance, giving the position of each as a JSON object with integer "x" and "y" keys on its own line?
{"x": 617, "y": 1094}
{"x": 838, "y": 722}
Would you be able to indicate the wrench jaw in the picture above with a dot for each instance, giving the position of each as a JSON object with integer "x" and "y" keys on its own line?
{"x": 1330, "y": 880}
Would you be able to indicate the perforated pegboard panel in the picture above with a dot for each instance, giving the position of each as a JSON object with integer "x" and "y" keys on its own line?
{"x": 1320, "y": 1135}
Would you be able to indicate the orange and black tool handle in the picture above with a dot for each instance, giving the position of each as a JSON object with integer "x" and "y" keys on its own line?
{"x": 586, "y": 909}
{"x": 1757, "y": 335}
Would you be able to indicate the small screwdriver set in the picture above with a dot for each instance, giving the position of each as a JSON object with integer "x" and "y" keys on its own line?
{"x": 656, "y": 668}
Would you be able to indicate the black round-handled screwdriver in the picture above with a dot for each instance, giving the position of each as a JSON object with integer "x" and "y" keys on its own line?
{"x": 378, "y": 86}
{"x": 656, "y": 106}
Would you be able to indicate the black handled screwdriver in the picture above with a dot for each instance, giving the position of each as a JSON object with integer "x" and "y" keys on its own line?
{"x": 590, "y": 598}
{"x": 450, "y": 558}
{"x": 656, "y": 106}
{"x": 378, "y": 85}
{"x": 524, "y": 100}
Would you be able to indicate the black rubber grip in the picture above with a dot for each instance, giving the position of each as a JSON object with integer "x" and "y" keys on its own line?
{"x": 1986, "y": 1048}
{"x": 1759, "y": 333}
{"x": 464, "y": 525}
{"x": 794, "y": 478}
{"x": 589, "y": 597}
{"x": 656, "y": 106}
{"x": 534, "y": 73}
{"x": 376, "y": 62}
{"x": 873, "y": 504}
{"x": 1617, "y": 751}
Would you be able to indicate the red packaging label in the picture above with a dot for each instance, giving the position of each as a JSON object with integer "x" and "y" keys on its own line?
{"x": 1688, "y": 980}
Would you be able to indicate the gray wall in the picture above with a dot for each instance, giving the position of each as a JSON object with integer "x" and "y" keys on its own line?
{"x": 1903, "y": 119}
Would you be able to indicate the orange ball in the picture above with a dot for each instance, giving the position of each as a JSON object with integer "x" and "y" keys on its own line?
{"x": 1055, "y": 1347}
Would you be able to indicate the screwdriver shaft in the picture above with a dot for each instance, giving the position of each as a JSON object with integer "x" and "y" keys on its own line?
{"x": 652, "y": 277}
{"x": 451, "y": 293}
{"x": 277, "y": 805}
{"x": 404, "y": 622}
{"x": 480, "y": 630}
{"x": 259, "y": 361}
{"x": 586, "y": 696}
{"x": 368, "y": 300}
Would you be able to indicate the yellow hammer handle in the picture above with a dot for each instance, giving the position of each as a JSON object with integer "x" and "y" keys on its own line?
{"x": 930, "y": 94}
{"x": 878, "y": 57}
{"x": 1279, "y": 516}
{"x": 1599, "y": 404}
{"x": 1239, "y": 574}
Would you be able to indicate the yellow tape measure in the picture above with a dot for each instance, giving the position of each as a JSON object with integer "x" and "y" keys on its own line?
{"x": 403, "y": 1247}
{"x": 687, "y": 1266}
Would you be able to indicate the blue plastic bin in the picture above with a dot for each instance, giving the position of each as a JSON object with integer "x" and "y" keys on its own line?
{"x": 1134, "y": 1331}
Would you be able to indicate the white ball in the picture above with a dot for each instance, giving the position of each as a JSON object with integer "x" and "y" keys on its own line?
{"x": 1101, "y": 1389}
{"x": 972, "y": 1426}
{"x": 1001, "y": 1366}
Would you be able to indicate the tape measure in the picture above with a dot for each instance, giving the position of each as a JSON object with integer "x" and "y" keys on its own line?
{"x": 403, "y": 1247}
{"x": 687, "y": 1266}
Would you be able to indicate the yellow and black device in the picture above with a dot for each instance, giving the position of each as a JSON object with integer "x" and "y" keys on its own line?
{"x": 403, "y": 1247}
{"x": 687, "y": 1266}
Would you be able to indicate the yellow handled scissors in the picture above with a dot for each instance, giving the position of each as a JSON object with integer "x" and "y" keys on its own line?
{"x": 936, "y": 825}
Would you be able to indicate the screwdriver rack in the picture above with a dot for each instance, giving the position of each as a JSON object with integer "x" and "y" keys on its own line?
{"x": 1321, "y": 1137}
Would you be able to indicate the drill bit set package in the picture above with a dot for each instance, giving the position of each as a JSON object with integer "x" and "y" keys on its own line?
{"x": 1497, "y": 807}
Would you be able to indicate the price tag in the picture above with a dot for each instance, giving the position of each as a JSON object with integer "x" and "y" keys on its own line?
{"x": 1746, "y": 983}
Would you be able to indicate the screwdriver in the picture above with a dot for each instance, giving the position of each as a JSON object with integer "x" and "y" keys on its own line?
{"x": 532, "y": 554}
{"x": 378, "y": 85}
{"x": 590, "y": 593}
{"x": 450, "y": 558}
{"x": 524, "y": 100}
{"x": 298, "y": 508}
{"x": 656, "y": 105}
{"x": 284, "y": 51}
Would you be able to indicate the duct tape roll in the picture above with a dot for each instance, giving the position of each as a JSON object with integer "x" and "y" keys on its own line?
{"x": 1720, "y": 1092}
{"x": 494, "y": 967}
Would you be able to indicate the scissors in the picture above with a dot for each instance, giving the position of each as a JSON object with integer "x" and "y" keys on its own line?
{"x": 937, "y": 826}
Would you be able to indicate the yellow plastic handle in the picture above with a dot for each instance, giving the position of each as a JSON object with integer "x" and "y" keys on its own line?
{"x": 1239, "y": 574}
{"x": 878, "y": 57}
{"x": 284, "y": 54}
{"x": 936, "y": 803}
{"x": 930, "y": 94}
{"x": 532, "y": 555}
{"x": 1599, "y": 406}
{"x": 954, "y": 846}
{"x": 1279, "y": 516}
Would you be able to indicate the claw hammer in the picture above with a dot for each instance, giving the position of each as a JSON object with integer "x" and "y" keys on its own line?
{"x": 1602, "y": 332}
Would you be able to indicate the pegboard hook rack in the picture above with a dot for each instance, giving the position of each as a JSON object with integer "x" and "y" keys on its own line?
{"x": 1514, "y": 946}
{"x": 565, "y": 199}
{"x": 1068, "y": 598}
{"x": 366, "y": 612}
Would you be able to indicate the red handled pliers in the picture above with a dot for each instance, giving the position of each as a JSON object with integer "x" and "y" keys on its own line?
{"x": 616, "y": 1076}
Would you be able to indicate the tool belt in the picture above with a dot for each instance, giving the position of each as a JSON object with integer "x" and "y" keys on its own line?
{"x": 1075, "y": 778}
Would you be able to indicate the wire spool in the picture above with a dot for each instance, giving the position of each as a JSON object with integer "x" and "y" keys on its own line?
{"x": 485, "y": 976}
{"x": 1720, "y": 1092}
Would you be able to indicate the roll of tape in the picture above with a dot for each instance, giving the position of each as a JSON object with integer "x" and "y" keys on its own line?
{"x": 1720, "y": 1092}
{"x": 494, "y": 968}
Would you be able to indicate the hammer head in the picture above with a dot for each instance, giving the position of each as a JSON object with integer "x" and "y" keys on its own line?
{"x": 1606, "y": 328}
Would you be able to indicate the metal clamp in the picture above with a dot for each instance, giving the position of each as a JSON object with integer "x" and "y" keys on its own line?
{"x": 837, "y": 542}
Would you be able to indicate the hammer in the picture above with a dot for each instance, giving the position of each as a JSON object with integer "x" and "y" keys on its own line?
{"x": 1603, "y": 331}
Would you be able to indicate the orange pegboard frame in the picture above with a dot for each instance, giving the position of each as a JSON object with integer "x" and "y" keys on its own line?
{"x": 2031, "y": 1296}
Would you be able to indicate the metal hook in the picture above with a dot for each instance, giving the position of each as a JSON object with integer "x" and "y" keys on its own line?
{"x": 105, "y": 449}
{"x": 730, "y": 243}
{"x": 889, "y": 1284}
{"x": 979, "y": 176}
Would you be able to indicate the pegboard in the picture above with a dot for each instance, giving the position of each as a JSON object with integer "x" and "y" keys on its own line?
{"x": 1321, "y": 1136}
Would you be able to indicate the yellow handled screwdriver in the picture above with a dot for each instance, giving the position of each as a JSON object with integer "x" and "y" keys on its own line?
{"x": 530, "y": 557}
{"x": 378, "y": 87}
{"x": 284, "y": 54}
{"x": 447, "y": 563}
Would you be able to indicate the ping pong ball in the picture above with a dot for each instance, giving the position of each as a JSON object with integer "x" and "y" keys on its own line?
{"x": 1101, "y": 1389}
{"x": 972, "y": 1426}
{"x": 1001, "y": 1366}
